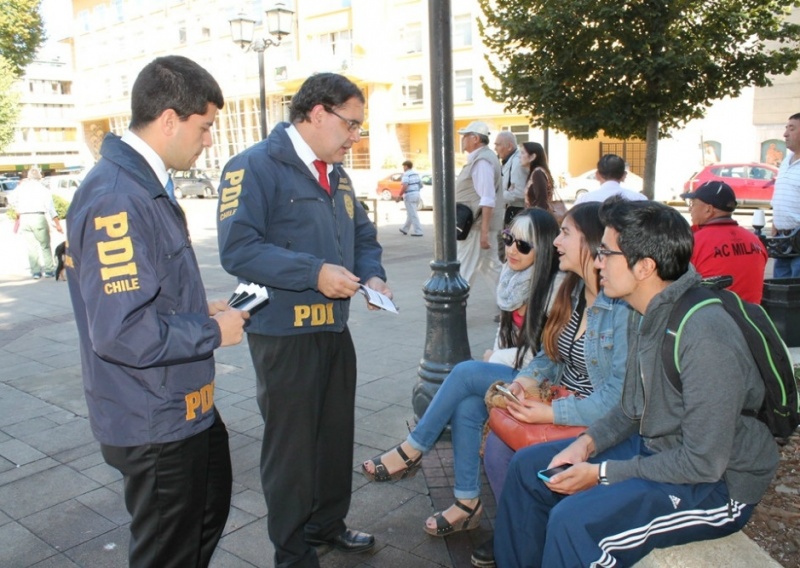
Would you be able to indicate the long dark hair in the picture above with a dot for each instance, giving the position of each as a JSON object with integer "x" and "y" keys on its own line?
{"x": 586, "y": 217}
{"x": 539, "y": 228}
{"x": 540, "y": 161}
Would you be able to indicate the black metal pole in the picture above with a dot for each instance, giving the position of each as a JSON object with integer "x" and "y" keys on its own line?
{"x": 262, "y": 92}
{"x": 445, "y": 292}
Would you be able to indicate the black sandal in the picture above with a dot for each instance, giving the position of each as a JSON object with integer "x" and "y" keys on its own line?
{"x": 382, "y": 474}
{"x": 443, "y": 526}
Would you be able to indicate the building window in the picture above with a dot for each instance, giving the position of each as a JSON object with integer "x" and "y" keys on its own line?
{"x": 339, "y": 50}
{"x": 205, "y": 33}
{"x": 118, "y": 11}
{"x": 462, "y": 86}
{"x": 462, "y": 31}
{"x": 82, "y": 21}
{"x": 411, "y": 38}
{"x": 182, "y": 33}
{"x": 412, "y": 90}
{"x": 520, "y": 132}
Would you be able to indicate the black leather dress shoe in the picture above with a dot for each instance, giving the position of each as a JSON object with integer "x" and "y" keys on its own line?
{"x": 483, "y": 556}
{"x": 348, "y": 541}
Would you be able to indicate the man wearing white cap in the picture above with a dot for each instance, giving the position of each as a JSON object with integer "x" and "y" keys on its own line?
{"x": 478, "y": 186}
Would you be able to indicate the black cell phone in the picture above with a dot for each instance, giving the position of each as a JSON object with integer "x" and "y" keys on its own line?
{"x": 546, "y": 474}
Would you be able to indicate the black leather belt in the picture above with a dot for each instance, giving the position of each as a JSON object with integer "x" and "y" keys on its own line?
{"x": 33, "y": 213}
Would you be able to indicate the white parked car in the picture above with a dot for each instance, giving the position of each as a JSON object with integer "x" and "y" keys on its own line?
{"x": 64, "y": 185}
{"x": 586, "y": 182}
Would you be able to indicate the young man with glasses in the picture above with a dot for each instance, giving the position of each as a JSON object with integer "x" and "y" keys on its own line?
{"x": 663, "y": 467}
{"x": 288, "y": 219}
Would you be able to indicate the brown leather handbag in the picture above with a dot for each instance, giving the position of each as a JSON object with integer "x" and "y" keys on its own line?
{"x": 519, "y": 435}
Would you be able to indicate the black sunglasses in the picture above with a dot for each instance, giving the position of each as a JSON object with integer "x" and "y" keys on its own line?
{"x": 523, "y": 247}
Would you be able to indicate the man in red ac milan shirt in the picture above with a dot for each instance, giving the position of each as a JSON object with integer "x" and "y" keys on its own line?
{"x": 721, "y": 246}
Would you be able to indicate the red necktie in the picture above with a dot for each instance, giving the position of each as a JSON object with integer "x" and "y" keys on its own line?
{"x": 322, "y": 169}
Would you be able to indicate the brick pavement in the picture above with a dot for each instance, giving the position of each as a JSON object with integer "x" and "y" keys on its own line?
{"x": 61, "y": 505}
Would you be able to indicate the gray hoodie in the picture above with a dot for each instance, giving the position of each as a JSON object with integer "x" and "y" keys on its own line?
{"x": 699, "y": 435}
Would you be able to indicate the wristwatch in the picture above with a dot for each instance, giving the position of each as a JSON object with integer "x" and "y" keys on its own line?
{"x": 601, "y": 474}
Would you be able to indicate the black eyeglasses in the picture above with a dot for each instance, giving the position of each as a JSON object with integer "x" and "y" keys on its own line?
{"x": 603, "y": 252}
{"x": 523, "y": 247}
{"x": 352, "y": 125}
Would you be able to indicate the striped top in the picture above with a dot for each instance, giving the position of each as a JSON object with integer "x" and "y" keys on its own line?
{"x": 786, "y": 199}
{"x": 575, "y": 376}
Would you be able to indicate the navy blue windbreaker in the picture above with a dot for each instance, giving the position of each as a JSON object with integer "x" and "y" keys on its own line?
{"x": 277, "y": 226}
{"x": 146, "y": 339}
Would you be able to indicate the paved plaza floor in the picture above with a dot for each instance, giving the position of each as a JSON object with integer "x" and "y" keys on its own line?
{"x": 61, "y": 505}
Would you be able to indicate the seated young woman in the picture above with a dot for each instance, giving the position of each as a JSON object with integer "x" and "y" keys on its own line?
{"x": 460, "y": 399}
{"x": 585, "y": 344}
{"x": 513, "y": 293}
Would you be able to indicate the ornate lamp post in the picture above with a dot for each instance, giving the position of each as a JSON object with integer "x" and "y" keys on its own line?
{"x": 279, "y": 24}
{"x": 446, "y": 292}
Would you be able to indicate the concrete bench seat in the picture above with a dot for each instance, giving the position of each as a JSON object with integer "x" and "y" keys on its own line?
{"x": 734, "y": 551}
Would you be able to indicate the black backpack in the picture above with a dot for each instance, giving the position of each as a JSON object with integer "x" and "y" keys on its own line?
{"x": 780, "y": 410}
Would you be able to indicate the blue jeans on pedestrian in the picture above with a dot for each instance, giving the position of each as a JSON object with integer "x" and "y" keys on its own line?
{"x": 786, "y": 267}
{"x": 460, "y": 402}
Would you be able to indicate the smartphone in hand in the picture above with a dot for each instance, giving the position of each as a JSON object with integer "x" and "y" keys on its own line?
{"x": 546, "y": 474}
{"x": 502, "y": 389}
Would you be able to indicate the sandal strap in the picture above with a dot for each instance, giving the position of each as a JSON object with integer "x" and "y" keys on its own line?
{"x": 408, "y": 461}
{"x": 466, "y": 509}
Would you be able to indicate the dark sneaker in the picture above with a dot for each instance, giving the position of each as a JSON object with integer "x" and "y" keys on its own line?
{"x": 49, "y": 274}
{"x": 483, "y": 556}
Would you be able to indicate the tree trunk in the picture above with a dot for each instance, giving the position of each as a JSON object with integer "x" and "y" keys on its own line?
{"x": 650, "y": 158}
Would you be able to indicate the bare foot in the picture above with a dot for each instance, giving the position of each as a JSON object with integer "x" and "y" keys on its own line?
{"x": 392, "y": 460}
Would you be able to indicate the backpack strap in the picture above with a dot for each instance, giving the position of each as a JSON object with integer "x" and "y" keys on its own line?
{"x": 691, "y": 301}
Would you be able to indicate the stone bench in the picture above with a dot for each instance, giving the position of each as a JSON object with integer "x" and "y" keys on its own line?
{"x": 734, "y": 551}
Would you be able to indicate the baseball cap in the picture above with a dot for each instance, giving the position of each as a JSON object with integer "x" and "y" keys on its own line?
{"x": 476, "y": 127}
{"x": 716, "y": 193}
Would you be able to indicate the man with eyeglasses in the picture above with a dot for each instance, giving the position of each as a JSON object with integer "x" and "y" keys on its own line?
{"x": 478, "y": 186}
{"x": 288, "y": 219}
{"x": 664, "y": 467}
{"x": 721, "y": 246}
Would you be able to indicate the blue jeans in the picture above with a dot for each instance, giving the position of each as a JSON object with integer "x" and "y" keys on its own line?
{"x": 459, "y": 402}
{"x": 786, "y": 267}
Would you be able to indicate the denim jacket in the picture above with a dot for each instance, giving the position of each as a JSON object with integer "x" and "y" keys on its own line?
{"x": 606, "y": 352}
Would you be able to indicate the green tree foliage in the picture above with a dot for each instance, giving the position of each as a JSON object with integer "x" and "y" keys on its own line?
{"x": 21, "y": 32}
{"x": 9, "y": 103}
{"x": 632, "y": 68}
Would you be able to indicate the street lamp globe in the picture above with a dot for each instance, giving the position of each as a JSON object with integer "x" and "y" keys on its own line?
{"x": 279, "y": 20}
{"x": 242, "y": 30}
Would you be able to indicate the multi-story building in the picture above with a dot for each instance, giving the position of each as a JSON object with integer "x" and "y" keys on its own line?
{"x": 47, "y": 132}
{"x": 383, "y": 46}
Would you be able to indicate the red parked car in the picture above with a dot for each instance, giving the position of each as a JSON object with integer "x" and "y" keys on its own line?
{"x": 749, "y": 181}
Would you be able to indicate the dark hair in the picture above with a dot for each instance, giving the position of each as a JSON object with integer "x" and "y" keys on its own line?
{"x": 482, "y": 138}
{"x": 172, "y": 82}
{"x": 327, "y": 89}
{"x": 586, "y": 217}
{"x": 611, "y": 166}
{"x": 539, "y": 228}
{"x": 540, "y": 161}
{"x": 409, "y": 164}
{"x": 795, "y": 116}
{"x": 648, "y": 229}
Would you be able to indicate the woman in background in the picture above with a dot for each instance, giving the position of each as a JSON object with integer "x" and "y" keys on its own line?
{"x": 539, "y": 189}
